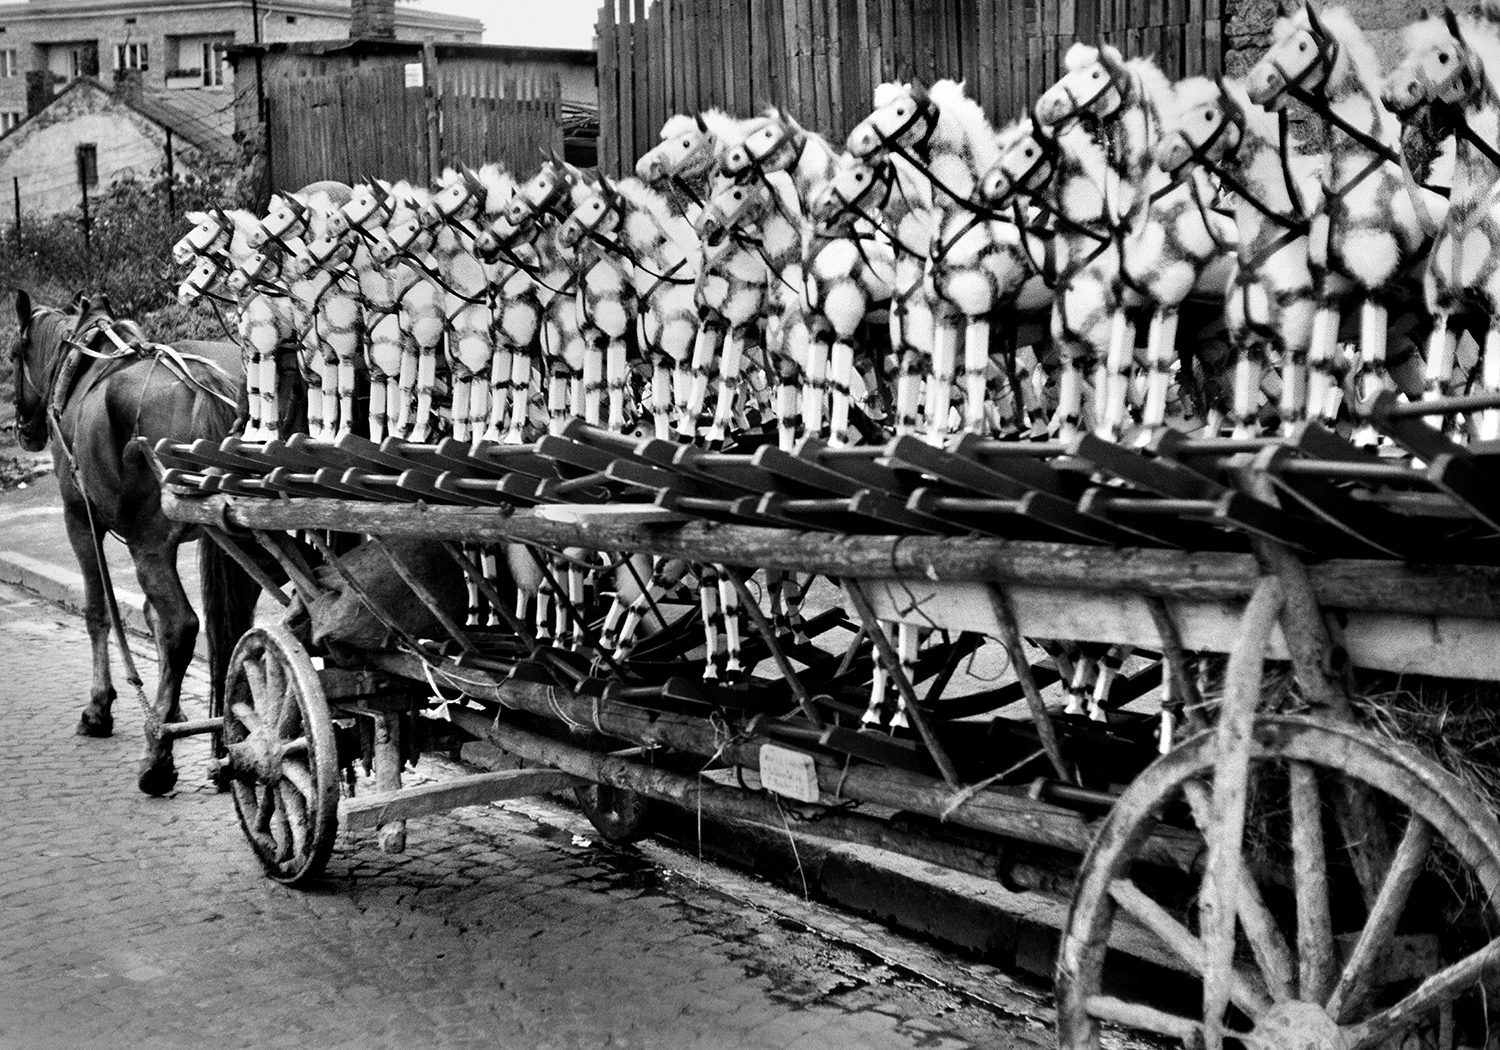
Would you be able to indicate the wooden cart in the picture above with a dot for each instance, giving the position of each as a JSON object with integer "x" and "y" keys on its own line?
{"x": 1314, "y": 881}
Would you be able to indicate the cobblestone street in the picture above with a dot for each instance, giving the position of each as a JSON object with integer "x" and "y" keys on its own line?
{"x": 133, "y": 922}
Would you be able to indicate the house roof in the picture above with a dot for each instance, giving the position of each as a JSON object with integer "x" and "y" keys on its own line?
{"x": 572, "y": 56}
{"x": 202, "y": 118}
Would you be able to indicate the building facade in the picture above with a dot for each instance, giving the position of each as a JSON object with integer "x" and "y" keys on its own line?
{"x": 175, "y": 44}
{"x": 91, "y": 135}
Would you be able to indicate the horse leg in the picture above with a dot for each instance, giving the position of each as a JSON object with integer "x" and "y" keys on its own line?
{"x": 520, "y": 396}
{"x": 708, "y": 598}
{"x": 174, "y": 625}
{"x": 976, "y": 364}
{"x": 705, "y": 349}
{"x": 1245, "y": 403}
{"x": 1321, "y": 351}
{"x": 97, "y": 718}
{"x": 1489, "y": 382}
{"x": 815, "y": 382}
{"x": 1372, "y": 375}
{"x": 427, "y": 346}
{"x": 661, "y": 396}
{"x": 500, "y": 368}
{"x": 729, "y": 601}
{"x": 730, "y": 361}
{"x": 406, "y": 383}
{"x": 270, "y": 412}
{"x": 1161, "y": 342}
{"x": 1441, "y": 349}
{"x": 616, "y": 381}
{"x": 461, "y": 382}
{"x": 592, "y": 405}
{"x": 840, "y": 381}
{"x": 940, "y": 388}
{"x": 314, "y": 375}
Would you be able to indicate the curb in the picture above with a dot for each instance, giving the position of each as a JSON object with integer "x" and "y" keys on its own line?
{"x": 63, "y": 586}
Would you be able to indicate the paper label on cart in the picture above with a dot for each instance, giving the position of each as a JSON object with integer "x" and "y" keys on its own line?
{"x": 788, "y": 773}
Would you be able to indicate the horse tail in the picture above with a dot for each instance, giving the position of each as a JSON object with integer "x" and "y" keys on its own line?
{"x": 228, "y": 595}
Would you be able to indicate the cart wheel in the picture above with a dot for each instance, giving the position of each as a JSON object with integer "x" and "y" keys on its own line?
{"x": 281, "y": 754}
{"x": 1321, "y": 964}
{"x": 619, "y": 815}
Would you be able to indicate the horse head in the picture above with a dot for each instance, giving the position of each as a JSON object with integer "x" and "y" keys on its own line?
{"x": 1437, "y": 66}
{"x": 904, "y": 119}
{"x": 1095, "y": 86}
{"x": 209, "y": 227}
{"x": 1299, "y": 61}
{"x": 770, "y": 142}
{"x": 685, "y": 152}
{"x": 31, "y": 372}
{"x": 1210, "y": 126}
{"x": 600, "y": 211}
{"x": 288, "y": 217}
{"x": 369, "y": 206}
{"x": 735, "y": 206}
{"x": 546, "y": 192}
{"x": 460, "y": 195}
{"x": 853, "y": 191}
{"x": 1028, "y": 160}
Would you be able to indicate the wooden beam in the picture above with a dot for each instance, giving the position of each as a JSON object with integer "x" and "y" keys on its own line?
{"x": 371, "y": 811}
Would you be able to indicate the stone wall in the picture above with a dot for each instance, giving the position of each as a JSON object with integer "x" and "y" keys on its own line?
{"x": 1248, "y": 27}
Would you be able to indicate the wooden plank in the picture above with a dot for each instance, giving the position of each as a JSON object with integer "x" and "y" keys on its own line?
{"x": 660, "y": 107}
{"x": 366, "y": 812}
{"x": 609, "y": 92}
{"x": 837, "y": 63}
{"x": 983, "y": 85}
{"x": 1213, "y": 47}
{"x": 643, "y": 127}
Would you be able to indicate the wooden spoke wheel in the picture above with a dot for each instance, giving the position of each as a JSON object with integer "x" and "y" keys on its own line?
{"x": 618, "y": 814}
{"x": 1366, "y": 848}
{"x": 281, "y": 755}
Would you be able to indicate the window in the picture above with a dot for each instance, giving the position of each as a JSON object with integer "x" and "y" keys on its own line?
{"x": 82, "y": 60}
{"x": 8, "y": 121}
{"x": 131, "y": 56}
{"x": 88, "y": 165}
{"x": 291, "y": 20}
{"x": 213, "y": 64}
{"x": 8, "y": 63}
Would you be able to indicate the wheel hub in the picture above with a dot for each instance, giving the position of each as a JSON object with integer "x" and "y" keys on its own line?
{"x": 1298, "y": 1026}
{"x": 255, "y": 758}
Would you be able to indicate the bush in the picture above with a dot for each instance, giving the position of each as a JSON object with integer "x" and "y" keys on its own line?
{"x": 129, "y": 253}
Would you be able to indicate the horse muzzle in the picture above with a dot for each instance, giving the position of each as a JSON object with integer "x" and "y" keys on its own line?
{"x": 1052, "y": 108}
{"x": 1172, "y": 153}
{"x": 996, "y": 188}
{"x": 1265, "y": 85}
{"x": 570, "y": 233}
{"x": 648, "y": 168}
{"x": 863, "y": 142}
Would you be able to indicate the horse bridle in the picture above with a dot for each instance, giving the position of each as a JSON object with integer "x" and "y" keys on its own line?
{"x": 1111, "y": 81}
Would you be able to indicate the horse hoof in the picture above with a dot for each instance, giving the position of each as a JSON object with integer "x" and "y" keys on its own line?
{"x": 157, "y": 778}
{"x": 97, "y": 725}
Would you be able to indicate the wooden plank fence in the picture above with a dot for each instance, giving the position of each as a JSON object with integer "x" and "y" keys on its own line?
{"x": 821, "y": 59}
{"x": 366, "y": 121}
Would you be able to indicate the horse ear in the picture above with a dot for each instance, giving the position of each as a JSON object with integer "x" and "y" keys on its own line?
{"x": 1451, "y": 21}
{"x": 23, "y": 309}
{"x": 702, "y": 124}
{"x": 1280, "y": 9}
{"x": 1314, "y": 18}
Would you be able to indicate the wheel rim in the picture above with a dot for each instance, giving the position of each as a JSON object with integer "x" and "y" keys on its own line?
{"x": 1307, "y": 978}
{"x": 280, "y": 753}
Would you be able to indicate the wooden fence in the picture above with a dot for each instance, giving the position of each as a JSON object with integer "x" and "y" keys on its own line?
{"x": 822, "y": 59}
{"x": 367, "y": 121}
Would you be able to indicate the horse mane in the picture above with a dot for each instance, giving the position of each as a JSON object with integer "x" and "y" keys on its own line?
{"x": 722, "y": 126}
{"x": 894, "y": 90}
{"x": 1156, "y": 86}
{"x": 952, "y": 102}
{"x": 1353, "y": 43}
{"x": 644, "y": 198}
{"x": 246, "y": 225}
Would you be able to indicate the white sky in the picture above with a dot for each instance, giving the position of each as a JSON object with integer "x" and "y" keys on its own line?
{"x": 535, "y": 23}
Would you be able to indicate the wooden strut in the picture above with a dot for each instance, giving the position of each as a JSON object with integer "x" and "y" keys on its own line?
{"x": 491, "y": 594}
{"x": 253, "y": 569}
{"x": 768, "y": 635}
{"x": 893, "y": 667}
{"x": 1339, "y": 583}
{"x": 1011, "y": 639}
{"x": 1001, "y": 811}
{"x": 564, "y": 760}
{"x": 1183, "y": 684}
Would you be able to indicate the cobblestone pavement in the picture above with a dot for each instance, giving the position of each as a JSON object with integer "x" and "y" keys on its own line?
{"x": 132, "y": 922}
